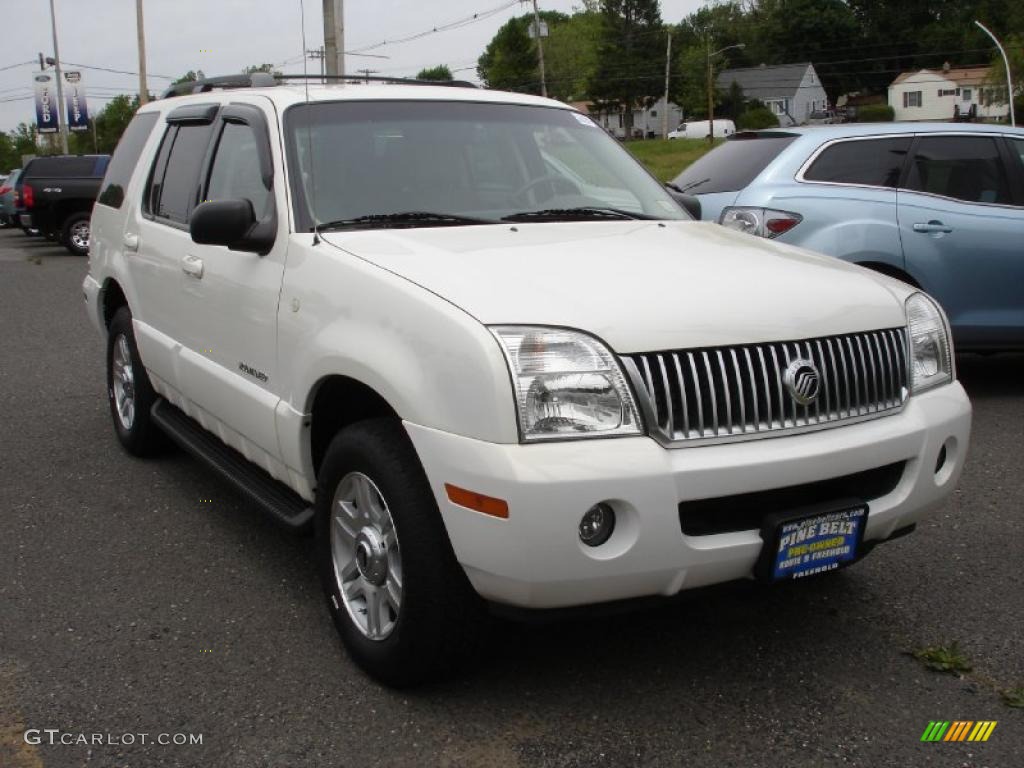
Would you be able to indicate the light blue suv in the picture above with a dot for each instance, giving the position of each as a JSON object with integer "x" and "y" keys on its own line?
{"x": 939, "y": 205}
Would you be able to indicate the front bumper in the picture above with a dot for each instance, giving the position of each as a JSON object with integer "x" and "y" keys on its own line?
{"x": 534, "y": 558}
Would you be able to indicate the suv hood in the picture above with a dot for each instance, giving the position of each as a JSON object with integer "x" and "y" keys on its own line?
{"x": 639, "y": 285}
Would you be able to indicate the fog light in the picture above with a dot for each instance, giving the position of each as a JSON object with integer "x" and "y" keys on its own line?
{"x": 597, "y": 525}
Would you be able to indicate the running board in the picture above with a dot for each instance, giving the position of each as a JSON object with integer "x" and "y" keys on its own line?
{"x": 272, "y": 496}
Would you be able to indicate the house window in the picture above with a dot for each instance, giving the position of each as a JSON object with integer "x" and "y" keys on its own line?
{"x": 949, "y": 92}
{"x": 967, "y": 94}
{"x": 778, "y": 107}
{"x": 911, "y": 98}
{"x": 654, "y": 113}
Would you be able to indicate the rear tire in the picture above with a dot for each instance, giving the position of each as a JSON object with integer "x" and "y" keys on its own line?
{"x": 380, "y": 537}
{"x": 129, "y": 390}
{"x": 75, "y": 233}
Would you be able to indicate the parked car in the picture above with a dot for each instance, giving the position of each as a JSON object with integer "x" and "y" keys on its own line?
{"x": 58, "y": 193}
{"x": 938, "y": 206}
{"x": 698, "y": 129}
{"x": 21, "y": 217}
{"x": 484, "y": 384}
{"x": 7, "y": 214}
{"x": 821, "y": 117}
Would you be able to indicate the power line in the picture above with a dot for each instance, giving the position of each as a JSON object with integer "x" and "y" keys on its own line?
{"x": 459, "y": 23}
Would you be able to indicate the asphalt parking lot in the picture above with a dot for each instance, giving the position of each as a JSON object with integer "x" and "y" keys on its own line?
{"x": 143, "y": 597}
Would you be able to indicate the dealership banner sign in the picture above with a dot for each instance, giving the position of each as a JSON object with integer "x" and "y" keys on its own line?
{"x": 46, "y": 102}
{"x": 74, "y": 101}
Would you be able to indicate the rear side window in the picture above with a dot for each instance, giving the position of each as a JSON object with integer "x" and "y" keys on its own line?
{"x": 871, "y": 162}
{"x": 968, "y": 168}
{"x": 174, "y": 182}
{"x": 733, "y": 165}
{"x": 126, "y": 156}
{"x": 56, "y": 167}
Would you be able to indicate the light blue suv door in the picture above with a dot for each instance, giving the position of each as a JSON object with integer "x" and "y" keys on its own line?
{"x": 961, "y": 223}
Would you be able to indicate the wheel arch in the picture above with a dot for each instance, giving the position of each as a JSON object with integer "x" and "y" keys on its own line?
{"x": 890, "y": 271}
{"x": 112, "y": 298}
{"x": 335, "y": 402}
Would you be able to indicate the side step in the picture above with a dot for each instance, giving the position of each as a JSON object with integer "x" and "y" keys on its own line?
{"x": 272, "y": 496}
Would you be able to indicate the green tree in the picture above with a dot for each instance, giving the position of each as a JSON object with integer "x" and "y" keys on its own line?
{"x": 251, "y": 69}
{"x": 571, "y": 54}
{"x": 191, "y": 76}
{"x": 631, "y": 57}
{"x": 509, "y": 62}
{"x": 438, "y": 73}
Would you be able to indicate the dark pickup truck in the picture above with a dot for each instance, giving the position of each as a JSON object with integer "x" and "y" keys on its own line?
{"x": 57, "y": 195}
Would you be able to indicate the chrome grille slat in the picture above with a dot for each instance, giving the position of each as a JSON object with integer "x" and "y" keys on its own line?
{"x": 738, "y": 392}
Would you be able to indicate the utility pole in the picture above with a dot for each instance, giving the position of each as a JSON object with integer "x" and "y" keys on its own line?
{"x": 334, "y": 36}
{"x": 367, "y": 73}
{"x": 540, "y": 50}
{"x": 60, "y": 84}
{"x": 1006, "y": 62}
{"x": 318, "y": 53}
{"x": 668, "y": 74}
{"x": 141, "y": 30}
{"x": 711, "y": 99}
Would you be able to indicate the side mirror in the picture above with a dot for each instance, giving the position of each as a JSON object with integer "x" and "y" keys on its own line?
{"x": 690, "y": 203}
{"x": 231, "y": 223}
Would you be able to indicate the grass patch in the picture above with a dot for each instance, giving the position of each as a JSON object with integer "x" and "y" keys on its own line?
{"x": 943, "y": 658}
{"x": 1013, "y": 697}
{"x": 665, "y": 158}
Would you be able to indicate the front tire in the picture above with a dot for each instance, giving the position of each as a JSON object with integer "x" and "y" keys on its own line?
{"x": 129, "y": 390}
{"x": 400, "y": 601}
{"x": 75, "y": 234}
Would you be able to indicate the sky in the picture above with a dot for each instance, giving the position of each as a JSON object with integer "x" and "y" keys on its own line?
{"x": 223, "y": 36}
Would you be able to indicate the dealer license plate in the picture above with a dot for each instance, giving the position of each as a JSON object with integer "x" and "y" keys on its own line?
{"x": 807, "y": 542}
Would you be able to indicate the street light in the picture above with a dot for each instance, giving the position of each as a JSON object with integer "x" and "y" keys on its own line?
{"x": 1006, "y": 62}
{"x": 711, "y": 86}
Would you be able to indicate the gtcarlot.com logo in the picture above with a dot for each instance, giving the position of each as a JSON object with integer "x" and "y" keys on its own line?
{"x": 37, "y": 736}
{"x": 958, "y": 730}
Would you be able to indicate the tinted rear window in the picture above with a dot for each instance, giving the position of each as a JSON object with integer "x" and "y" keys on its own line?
{"x": 64, "y": 167}
{"x": 873, "y": 162}
{"x": 967, "y": 168}
{"x": 126, "y": 156}
{"x": 174, "y": 181}
{"x": 733, "y": 165}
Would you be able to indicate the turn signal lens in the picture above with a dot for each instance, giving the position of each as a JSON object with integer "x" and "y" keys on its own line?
{"x": 488, "y": 505}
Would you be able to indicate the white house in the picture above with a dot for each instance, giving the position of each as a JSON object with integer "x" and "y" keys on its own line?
{"x": 942, "y": 94}
{"x": 645, "y": 121}
{"x": 791, "y": 91}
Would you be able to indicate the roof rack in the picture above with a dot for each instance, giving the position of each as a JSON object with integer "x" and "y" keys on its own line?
{"x": 266, "y": 80}
{"x": 356, "y": 79}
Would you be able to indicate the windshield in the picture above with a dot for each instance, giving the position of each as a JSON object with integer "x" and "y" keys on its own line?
{"x": 733, "y": 164}
{"x": 471, "y": 162}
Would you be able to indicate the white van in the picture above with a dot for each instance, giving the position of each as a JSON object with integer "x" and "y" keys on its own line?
{"x": 698, "y": 129}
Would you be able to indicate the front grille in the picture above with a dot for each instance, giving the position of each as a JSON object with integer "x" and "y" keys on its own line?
{"x": 736, "y": 392}
{"x": 748, "y": 511}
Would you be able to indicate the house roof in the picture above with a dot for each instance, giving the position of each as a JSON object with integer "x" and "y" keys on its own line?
{"x": 959, "y": 75}
{"x": 765, "y": 81}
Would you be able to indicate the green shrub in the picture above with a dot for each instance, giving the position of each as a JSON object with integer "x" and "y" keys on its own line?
{"x": 875, "y": 113}
{"x": 757, "y": 118}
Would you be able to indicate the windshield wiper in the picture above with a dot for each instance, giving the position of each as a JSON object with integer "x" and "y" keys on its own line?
{"x": 582, "y": 212}
{"x": 404, "y": 219}
{"x": 691, "y": 185}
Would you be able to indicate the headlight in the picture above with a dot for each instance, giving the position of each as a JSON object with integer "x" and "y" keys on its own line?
{"x": 931, "y": 354}
{"x": 567, "y": 385}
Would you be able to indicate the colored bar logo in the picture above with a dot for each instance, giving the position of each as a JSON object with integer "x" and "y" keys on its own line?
{"x": 959, "y": 730}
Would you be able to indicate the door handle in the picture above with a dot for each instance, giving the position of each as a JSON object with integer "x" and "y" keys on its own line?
{"x": 192, "y": 266}
{"x": 933, "y": 227}
{"x": 130, "y": 241}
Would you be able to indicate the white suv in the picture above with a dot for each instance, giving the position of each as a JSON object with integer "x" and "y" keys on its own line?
{"x": 492, "y": 361}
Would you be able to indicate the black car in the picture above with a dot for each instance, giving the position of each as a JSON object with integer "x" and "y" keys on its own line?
{"x": 57, "y": 195}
